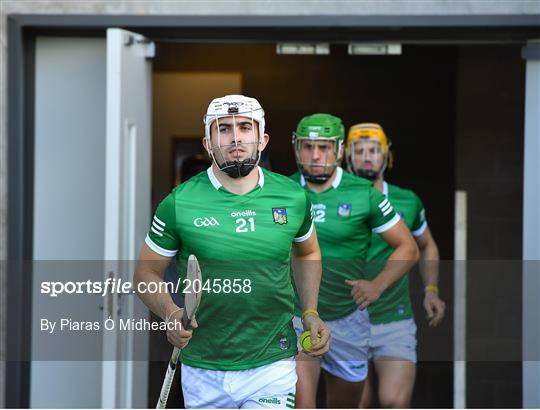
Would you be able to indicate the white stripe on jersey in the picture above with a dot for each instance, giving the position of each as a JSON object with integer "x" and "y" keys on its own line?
{"x": 155, "y": 225}
{"x": 156, "y": 232}
{"x": 159, "y": 221}
{"x": 384, "y": 208}
{"x": 388, "y": 211}
{"x": 383, "y": 203}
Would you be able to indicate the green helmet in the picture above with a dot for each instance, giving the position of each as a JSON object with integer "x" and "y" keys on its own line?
{"x": 320, "y": 126}
{"x": 313, "y": 128}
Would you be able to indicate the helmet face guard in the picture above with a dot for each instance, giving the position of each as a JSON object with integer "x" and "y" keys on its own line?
{"x": 317, "y": 158}
{"x": 367, "y": 158}
{"x": 235, "y": 137}
{"x": 318, "y": 146}
{"x": 235, "y": 147}
{"x": 368, "y": 151}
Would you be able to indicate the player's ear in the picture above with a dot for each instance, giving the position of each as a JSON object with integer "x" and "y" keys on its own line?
{"x": 264, "y": 141}
{"x": 341, "y": 153}
{"x": 206, "y": 145}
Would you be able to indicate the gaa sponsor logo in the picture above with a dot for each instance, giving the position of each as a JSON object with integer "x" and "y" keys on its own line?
{"x": 205, "y": 222}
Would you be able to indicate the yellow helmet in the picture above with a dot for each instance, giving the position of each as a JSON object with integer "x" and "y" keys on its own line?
{"x": 369, "y": 130}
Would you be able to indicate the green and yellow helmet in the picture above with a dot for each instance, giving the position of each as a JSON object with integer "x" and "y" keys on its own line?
{"x": 310, "y": 132}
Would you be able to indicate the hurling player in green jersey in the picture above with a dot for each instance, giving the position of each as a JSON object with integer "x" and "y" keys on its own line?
{"x": 393, "y": 330}
{"x": 347, "y": 209}
{"x": 241, "y": 222}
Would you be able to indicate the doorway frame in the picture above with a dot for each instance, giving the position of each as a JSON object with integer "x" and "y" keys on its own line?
{"x": 22, "y": 30}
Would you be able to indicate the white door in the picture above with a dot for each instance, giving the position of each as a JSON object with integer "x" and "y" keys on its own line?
{"x": 69, "y": 210}
{"x": 127, "y": 210}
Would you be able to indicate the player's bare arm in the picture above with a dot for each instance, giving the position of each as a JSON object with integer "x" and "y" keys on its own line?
{"x": 307, "y": 272}
{"x": 402, "y": 259}
{"x": 151, "y": 268}
{"x": 429, "y": 269}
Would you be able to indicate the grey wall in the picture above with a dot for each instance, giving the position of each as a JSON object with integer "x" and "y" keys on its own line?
{"x": 531, "y": 230}
{"x": 69, "y": 204}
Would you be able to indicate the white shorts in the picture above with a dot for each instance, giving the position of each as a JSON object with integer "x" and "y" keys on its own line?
{"x": 394, "y": 339}
{"x": 270, "y": 386}
{"x": 348, "y": 354}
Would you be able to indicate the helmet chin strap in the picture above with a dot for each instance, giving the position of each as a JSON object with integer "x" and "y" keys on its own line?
{"x": 238, "y": 169}
{"x": 235, "y": 168}
{"x": 369, "y": 173}
{"x": 317, "y": 179}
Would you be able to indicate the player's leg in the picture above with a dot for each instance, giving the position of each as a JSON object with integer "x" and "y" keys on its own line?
{"x": 346, "y": 365}
{"x": 308, "y": 370}
{"x": 366, "y": 400}
{"x": 396, "y": 382}
{"x": 341, "y": 394}
{"x": 394, "y": 356}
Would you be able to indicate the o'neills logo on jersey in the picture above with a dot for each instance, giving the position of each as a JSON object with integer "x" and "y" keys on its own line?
{"x": 270, "y": 400}
{"x": 205, "y": 222}
{"x": 247, "y": 212}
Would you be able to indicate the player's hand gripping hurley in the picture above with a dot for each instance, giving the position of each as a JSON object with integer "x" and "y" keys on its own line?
{"x": 191, "y": 303}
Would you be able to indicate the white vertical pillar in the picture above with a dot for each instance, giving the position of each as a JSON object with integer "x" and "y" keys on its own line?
{"x": 460, "y": 300}
{"x": 531, "y": 229}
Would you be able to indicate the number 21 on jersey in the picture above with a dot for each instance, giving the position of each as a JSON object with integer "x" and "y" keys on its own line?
{"x": 242, "y": 225}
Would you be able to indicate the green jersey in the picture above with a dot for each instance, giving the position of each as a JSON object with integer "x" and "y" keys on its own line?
{"x": 395, "y": 303}
{"x": 345, "y": 216}
{"x": 243, "y": 244}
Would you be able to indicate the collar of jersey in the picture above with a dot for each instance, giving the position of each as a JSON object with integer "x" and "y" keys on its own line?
{"x": 385, "y": 188}
{"x": 217, "y": 184}
{"x": 335, "y": 182}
